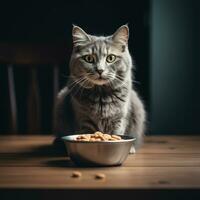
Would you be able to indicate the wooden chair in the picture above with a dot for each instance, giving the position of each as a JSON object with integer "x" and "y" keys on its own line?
{"x": 31, "y": 57}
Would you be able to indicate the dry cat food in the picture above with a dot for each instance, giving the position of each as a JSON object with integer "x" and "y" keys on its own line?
{"x": 76, "y": 174}
{"x": 100, "y": 176}
{"x": 98, "y": 136}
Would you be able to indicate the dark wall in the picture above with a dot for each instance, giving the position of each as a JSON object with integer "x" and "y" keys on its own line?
{"x": 41, "y": 22}
{"x": 175, "y": 67}
{"x": 52, "y": 22}
{"x": 164, "y": 41}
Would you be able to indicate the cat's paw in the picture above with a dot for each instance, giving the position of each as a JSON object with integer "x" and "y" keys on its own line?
{"x": 132, "y": 150}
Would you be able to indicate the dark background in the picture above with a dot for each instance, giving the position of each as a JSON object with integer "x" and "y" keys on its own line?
{"x": 164, "y": 42}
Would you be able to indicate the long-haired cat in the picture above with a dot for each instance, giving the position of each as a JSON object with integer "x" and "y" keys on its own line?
{"x": 99, "y": 94}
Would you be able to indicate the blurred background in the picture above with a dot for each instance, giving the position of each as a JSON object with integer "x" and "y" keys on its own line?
{"x": 35, "y": 46}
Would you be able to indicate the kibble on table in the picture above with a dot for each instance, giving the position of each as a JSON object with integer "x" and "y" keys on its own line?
{"x": 76, "y": 174}
{"x": 100, "y": 176}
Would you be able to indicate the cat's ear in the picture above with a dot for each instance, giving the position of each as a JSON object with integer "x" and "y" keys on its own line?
{"x": 121, "y": 35}
{"x": 79, "y": 36}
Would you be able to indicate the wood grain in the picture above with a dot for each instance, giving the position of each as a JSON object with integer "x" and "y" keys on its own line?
{"x": 116, "y": 178}
{"x": 152, "y": 144}
{"x": 162, "y": 162}
{"x": 138, "y": 160}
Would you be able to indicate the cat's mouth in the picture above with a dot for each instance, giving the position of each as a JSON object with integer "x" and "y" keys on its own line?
{"x": 98, "y": 80}
{"x": 102, "y": 78}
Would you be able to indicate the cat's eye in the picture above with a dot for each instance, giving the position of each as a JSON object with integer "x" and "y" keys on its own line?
{"x": 110, "y": 58}
{"x": 89, "y": 58}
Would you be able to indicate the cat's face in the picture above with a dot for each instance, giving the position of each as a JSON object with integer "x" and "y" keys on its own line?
{"x": 99, "y": 60}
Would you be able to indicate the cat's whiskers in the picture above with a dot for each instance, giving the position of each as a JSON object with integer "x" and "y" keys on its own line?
{"x": 79, "y": 82}
{"x": 133, "y": 81}
{"x": 112, "y": 76}
{"x": 81, "y": 87}
{"x": 118, "y": 78}
{"x": 75, "y": 83}
{"x": 137, "y": 82}
{"x": 122, "y": 82}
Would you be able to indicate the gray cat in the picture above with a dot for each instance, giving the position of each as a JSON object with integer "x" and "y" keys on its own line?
{"x": 99, "y": 94}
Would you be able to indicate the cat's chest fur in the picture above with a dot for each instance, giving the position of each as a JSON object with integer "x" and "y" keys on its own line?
{"x": 101, "y": 103}
{"x": 101, "y": 109}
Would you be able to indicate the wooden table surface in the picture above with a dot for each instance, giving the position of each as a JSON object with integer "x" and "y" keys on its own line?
{"x": 163, "y": 162}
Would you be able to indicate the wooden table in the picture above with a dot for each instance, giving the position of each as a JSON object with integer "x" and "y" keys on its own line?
{"x": 164, "y": 165}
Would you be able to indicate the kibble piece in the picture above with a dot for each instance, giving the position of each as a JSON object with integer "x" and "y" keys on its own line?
{"x": 102, "y": 138}
{"x": 81, "y": 137}
{"x": 107, "y": 136}
{"x": 100, "y": 176}
{"x": 98, "y": 133}
{"x": 97, "y": 136}
{"x": 88, "y": 136}
{"x": 116, "y": 137}
{"x": 113, "y": 139}
{"x": 76, "y": 174}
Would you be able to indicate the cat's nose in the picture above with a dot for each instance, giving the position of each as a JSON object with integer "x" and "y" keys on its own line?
{"x": 100, "y": 71}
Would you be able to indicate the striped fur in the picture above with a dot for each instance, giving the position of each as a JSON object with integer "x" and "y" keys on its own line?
{"x": 110, "y": 104}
